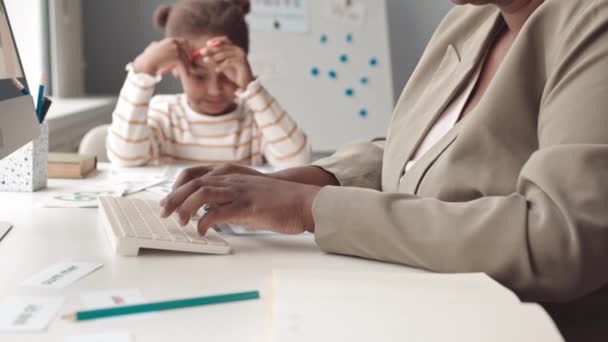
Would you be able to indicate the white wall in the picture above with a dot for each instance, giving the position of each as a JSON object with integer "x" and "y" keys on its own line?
{"x": 28, "y": 22}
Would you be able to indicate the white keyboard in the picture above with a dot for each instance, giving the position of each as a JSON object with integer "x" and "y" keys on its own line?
{"x": 132, "y": 224}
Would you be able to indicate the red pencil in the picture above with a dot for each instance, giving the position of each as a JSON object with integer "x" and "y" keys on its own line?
{"x": 196, "y": 54}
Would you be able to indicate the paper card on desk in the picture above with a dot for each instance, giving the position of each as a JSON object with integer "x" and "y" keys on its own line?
{"x": 109, "y": 298}
{"x": 105, "y": 337}
{"x": 162, "y": 189}
{"x": 61, "y": 274}
{"x": 85, "y": 197}
{"x": 112, "y": 298}
{"x": 135, "y": 186}
{"x": 28, "y": 314}
{"x": 238, "y": 230}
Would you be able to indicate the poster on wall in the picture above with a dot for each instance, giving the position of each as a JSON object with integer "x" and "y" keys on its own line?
{"x": 347, "y": 11}
{"x": 279, "y": 15}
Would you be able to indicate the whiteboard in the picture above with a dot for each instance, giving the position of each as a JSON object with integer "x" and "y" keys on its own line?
{"x": 328, "y": 64}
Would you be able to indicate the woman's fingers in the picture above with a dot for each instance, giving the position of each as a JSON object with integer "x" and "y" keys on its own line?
{"x": 213, "y": 196}
{"x": 189, "y": 174}
{"x": 176, "y": 198}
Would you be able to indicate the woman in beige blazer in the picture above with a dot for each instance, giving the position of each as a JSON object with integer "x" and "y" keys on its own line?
{"x": 517, "y": 188}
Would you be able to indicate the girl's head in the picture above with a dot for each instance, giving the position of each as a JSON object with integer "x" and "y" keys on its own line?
{"x": 198, "y": 21}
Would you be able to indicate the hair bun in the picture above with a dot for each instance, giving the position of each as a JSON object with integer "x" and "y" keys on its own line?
{"x": 244, "y": 5}
{"x": 161, "y": 16}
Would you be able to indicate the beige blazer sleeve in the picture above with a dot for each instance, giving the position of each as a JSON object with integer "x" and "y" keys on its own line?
{"x": 358, "y": 164}
{"x": 547, "y": 239}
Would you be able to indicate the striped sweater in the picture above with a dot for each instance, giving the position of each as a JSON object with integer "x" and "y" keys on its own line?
{"x": 160, "y": 129}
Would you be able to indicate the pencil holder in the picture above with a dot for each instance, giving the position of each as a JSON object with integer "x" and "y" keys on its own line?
{"x": 26, "y": 170}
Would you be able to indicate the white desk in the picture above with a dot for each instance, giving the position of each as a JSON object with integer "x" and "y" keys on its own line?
{"x": 41, "y": 237}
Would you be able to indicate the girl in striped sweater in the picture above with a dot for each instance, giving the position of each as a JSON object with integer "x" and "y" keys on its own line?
{"x": 225, "y": 115}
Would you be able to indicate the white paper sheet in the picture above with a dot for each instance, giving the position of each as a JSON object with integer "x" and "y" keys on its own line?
{"x": 239, "y": 230}
{"x": 61, "y": 274}
{"x": 347, "y": 11}
{"x": 109, "y": 298}
{"x": 368, "y": 306}
{"x": 114, "y": 297}
{"x": 28, "y": 314}
{"x": 83, "y": 197}
{"x": 282, "y": 16}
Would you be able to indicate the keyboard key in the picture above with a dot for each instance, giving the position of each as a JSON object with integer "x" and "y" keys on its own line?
{"x": 137, "y": 223}
{"x": 152, "y": 221}
{"x": 195, "y": 237}
{"x": 137, "y": 219}
{"x": 125, "y": 225}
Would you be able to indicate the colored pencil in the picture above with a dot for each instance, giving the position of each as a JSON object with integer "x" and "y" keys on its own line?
{"x": 20, "y": 87}
{"x": 46, "y": 105}
{"x": 40, "y": 101}
{"x": 160, "y": 306}
{"x": 196, "y": 54}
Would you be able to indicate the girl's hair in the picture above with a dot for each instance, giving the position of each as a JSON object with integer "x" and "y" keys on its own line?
{"x": 191, "y": 18}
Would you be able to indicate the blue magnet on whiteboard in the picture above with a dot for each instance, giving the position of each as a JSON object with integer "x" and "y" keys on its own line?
{"x": 373, "y": 61}
{"x": 315, "y": 71}
{"x": 324, "y": 38}
{"x": 349, "y": 37}
{"x": 349, "y": 92}
{"x": 344, "y": 58}
{"x": 363, "y": 112}
{"x": 364, "y": 80}
{"x": 332, "y": 74}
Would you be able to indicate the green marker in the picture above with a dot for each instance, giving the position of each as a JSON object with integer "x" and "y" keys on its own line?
{"x": 160, "y": 306}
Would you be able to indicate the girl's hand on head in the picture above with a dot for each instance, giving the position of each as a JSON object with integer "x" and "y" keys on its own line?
{"x": 258, "y": 202}
{"x": 229, "y": 59}
{"x": 162, "y": 55}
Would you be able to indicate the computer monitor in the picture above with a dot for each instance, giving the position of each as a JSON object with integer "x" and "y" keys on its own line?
{"x": 18, "y": 122}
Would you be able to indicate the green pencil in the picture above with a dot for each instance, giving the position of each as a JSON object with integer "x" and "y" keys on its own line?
{"x": 159, "y": 306}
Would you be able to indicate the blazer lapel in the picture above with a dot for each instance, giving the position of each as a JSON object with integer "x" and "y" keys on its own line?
{"x": 455, "y": 69}
{"x": 411, "y": 180}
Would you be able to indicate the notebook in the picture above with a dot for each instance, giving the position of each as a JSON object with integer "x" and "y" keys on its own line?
{"x": 381, "y": 306}
{"x": 70, "y": 165}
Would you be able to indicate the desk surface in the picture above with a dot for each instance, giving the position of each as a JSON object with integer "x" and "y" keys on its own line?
{"x": 41, "y": 237}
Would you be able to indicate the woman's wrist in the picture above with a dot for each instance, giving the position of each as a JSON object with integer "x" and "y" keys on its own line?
{"x": 308, "y": 195}
{"x": 311, "y": 175}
